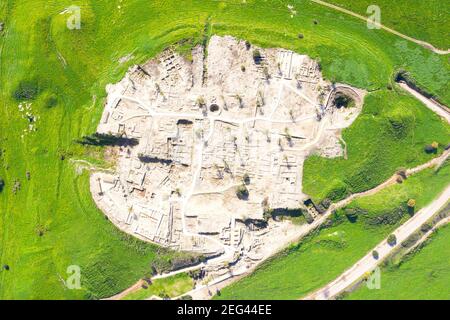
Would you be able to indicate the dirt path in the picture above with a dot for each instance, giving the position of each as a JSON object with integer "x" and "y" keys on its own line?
{"x": 368, "y": 262}
{"x": 356, "y": 15}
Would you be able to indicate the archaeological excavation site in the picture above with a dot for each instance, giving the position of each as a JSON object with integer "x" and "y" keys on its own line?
{"x": 222, "y": 138}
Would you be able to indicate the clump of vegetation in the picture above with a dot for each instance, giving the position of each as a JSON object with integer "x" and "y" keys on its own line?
{"x": 375, "y": 254}
{"x": 240, "y": 100}
{"x": 268, "y": 214}
{"x": 323, "y": 205}
{"x": 266, "y": 73}
{"x": 411, "y": 203}
{"x": 51, "y": 102}
{"x": 26, "y": 90}
{"x": 392, "y": 240}
{"x": 352, "y": 214}
{"x": 400, "y": 123}
{"x": 426, "y": 227}
{"x": 257, "y": 56}
{"x": 201, "y": 101}
{"x": 2, "y": 184}
{"x": 309, "y": 218}
{"x": 242, "y": 192}
{"x": 343, "y": 101}
{"x": 390, "y": 217}
{"x": 430, "y": 148}
{"x": 246, "y": 179}
{"x": 300, "y": 36}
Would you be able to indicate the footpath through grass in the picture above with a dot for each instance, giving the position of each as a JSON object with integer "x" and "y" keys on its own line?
{"x": 423, "y": 20}
{"x": 342, "y": 241}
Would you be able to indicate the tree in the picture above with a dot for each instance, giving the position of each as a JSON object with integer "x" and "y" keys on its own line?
{"x": 246, "y": 179}
{"x": 435, "y": 145}
{"x": 411, "y": 203}
{"x": 430, "y": 149}
{"x": 242, "y": 192}
{"x": 392, "y": 240}
{"x": 239, "y": 99}
{"x": 375, "y": 254}
{"x": 257, "y": 56}
{"x": 201, "y": 101}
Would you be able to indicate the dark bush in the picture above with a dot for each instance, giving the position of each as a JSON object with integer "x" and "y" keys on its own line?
{"x": 242, "y": 192}
{"x": 2, "y": 184}
{"x": 326, "y": 203}
{"x": 51, "y": 102}
{"x": 392, "y": 240}
{"x": 26, "y": 90}
{"x": 426, "y": 227}
{"x": 410, "y": 241}
{"x": 257, "y": 56}
{"x": 430, "y": 149}
{"x": 387, "y": 218}
{"x": 309, "y": 218}
{"x": 343, "y": 101}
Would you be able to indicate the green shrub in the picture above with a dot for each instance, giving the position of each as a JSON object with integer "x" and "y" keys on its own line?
{"x": 242, "y": 192}
{"x": 387, "y": 217}
{"x": 392, "y": 240}
{"x": 257, "y": 56}
{"x": 400, "y": 123}
{"x": 26, "y": 90}
{"x": 375, "y": 254}
{"x": 51, "y": 102}
{"x": 426, "y": 227}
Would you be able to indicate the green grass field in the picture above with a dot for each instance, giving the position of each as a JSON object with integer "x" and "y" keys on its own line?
{"x": 168, "y": 287}
{"x": 423, "y": 20}
{"x": 326, "y": 253}
{"x": 50, "y": 222}
{"x": 423, "y": 275}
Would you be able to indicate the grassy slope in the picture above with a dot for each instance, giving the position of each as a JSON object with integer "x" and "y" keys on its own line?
{"x": 173, "y": 287}
{"x": 427, "y": 269}
{"x": 327, "y": 253}
{"x": 74, "y": 66}
{"x": 391, "y": 132}
{"x": 423, "y": 20}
